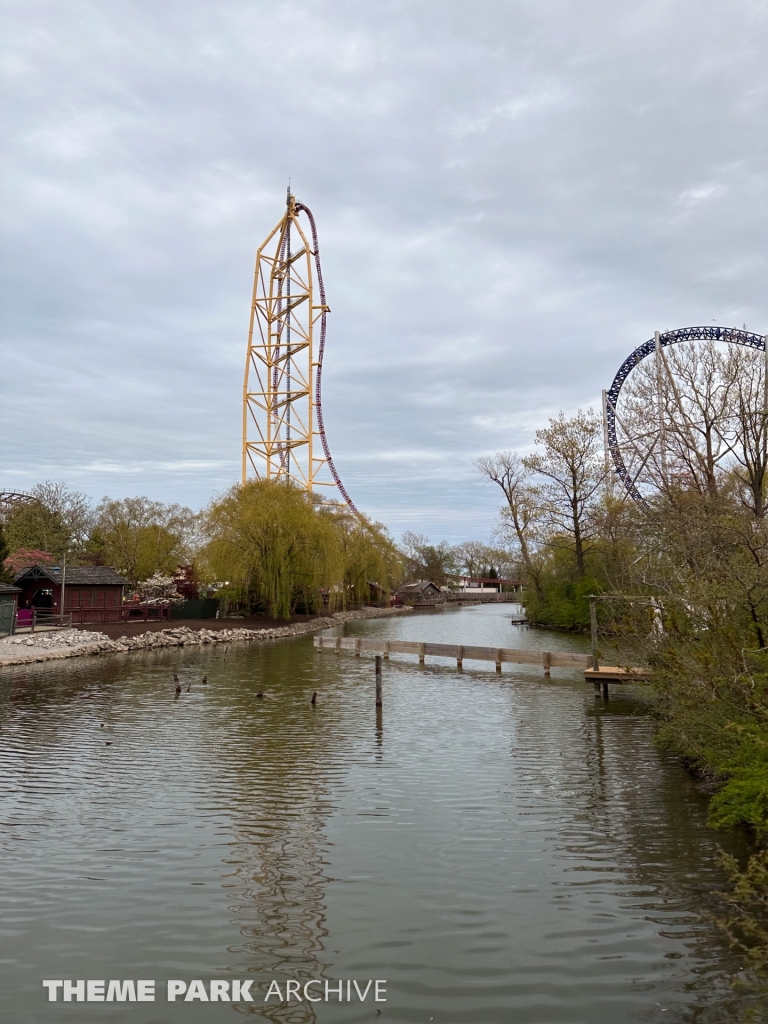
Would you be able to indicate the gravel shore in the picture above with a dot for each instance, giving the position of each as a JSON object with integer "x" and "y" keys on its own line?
{"x": 75, "y": 643}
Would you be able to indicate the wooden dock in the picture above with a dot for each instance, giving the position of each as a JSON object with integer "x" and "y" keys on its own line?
{"x": 600, "y": 676}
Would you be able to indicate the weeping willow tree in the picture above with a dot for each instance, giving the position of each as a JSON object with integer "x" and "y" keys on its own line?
{"x": 268, "y": 541}
{"x": 279, "y": 548}
{"x": 369, "y": 557}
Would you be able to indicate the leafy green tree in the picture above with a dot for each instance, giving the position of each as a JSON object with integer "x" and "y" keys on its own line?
{"x": 141, "y": 537}
{"x": 58, "y": 520}
{"x": 277, "y": 548}
{"x": 272, "y": 546}
{"x": 425, "y": 561}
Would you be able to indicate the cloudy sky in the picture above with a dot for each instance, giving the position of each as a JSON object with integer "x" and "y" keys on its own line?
{"x": 510, "y": 197}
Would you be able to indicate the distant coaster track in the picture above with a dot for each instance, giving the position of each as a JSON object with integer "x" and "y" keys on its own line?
{"x": 729, "y": 335}
{"x": 13, "y": 499}
{"x": 320, "y": 352}
{"x": 282, "y": 390}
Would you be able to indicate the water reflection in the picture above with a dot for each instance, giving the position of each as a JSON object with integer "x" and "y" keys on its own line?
{"x": 514, "y": 852}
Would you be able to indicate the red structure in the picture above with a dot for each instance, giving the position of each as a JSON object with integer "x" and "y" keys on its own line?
{"x": 91, "y": 594}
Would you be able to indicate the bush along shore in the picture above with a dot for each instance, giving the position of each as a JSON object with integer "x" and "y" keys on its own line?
{"x": 74, "y": 643}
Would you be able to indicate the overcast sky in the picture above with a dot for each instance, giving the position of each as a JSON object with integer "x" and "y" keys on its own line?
{"x": 510, "y": 196}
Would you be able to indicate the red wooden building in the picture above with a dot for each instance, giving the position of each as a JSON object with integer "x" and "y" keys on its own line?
{"x": 91, "y": 593}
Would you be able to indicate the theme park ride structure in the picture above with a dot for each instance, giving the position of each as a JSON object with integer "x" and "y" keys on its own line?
{"x": 283, "y": 431}
{"x": 12, "y": 499}
{"x": 637, "y": 452}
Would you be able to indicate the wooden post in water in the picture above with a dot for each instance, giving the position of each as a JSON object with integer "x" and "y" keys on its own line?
{"x": 460, "y": 656}
{"x": 546, "y": 657}
{"x": 498, "y": 659}
{"x": 338, "y": 644}
{"x": 421, "y": 654}
{"x": 378, "y": 681}
{"x": 593, "y": 629}
{"x": 357, "y": 647}
{"x": 386, "y": 649}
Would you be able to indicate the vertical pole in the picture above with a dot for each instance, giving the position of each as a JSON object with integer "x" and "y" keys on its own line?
{"x": 498, "y": 659}
{"x": 421, "y": 654}
{"x": 357, "y": 647}
{"x": 63, "y": 584}
{"x": 287, "y": 459}
{"x": 378, "y": 681}
{"x": 593, "y": 630}
{"x": 660, "y": 407}
{"x": 460, "y": 656}
{"x": 386, "y": 649}
{"x": 546, "y": 657}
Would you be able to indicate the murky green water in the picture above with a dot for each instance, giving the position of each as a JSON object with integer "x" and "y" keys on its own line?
{"x": 499, "y": 849}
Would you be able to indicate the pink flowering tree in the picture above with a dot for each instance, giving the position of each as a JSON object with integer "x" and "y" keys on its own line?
{"x": 24, "y": 558}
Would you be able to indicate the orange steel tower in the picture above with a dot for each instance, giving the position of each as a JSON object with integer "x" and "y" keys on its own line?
{"x": 283, "y": 433}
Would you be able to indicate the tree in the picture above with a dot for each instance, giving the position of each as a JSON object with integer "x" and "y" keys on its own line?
{"x": 425, "y": 561}
{"x": 23, "y": 559}
{"x": 274, "y": 546}
{"x": 369, "y": 557}
{"x": 483, "y": 560}
{"x": 58, "y": 520}
{"x": 471, "y": 557}
{"x": 573, "y": 470}
{"x": 140, "y": 537}
{"x": 521, "y": 517}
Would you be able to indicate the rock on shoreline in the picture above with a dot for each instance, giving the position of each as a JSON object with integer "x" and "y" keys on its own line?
{"x": 75, "y": 643}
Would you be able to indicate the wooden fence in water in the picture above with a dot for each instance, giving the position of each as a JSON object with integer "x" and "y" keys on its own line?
{"x": 458, "y": 652}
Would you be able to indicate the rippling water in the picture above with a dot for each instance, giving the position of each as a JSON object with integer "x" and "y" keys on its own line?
{"x": 500, "y": 849}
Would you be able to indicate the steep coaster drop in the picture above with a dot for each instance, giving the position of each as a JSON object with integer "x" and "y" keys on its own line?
{"x": 282, "y": 389}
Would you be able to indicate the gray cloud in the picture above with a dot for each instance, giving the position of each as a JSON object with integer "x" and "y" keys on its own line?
{"x": 510, "y": 197}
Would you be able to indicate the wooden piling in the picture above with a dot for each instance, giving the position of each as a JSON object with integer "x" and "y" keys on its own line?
{"x": 605, "y": 691}
{"x": 421, "y": 654}
{"x": 460, "y": 656}
{"x": 546, "y": 657}
{"x": 386, "y": 649}
{"x": 498, "y": 659}
{"x": 338, "y": 644}
{"x": 378, "y": 681}
{"x": 593, "y": 630}
{"x": 314, "y": 697}
{"x": 357, "y": 647}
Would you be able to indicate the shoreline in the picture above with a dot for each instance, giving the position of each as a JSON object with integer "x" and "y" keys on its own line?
{"x": 77, "y": 643}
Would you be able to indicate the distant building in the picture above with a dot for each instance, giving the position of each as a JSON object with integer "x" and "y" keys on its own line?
{"x": 91, "y": 593}
{"x": 479, "y": 585}
{"x": 423, "y": 593}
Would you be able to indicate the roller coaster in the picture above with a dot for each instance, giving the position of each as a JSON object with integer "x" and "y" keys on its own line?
{"x": 630, "y": 456}
{"x": 283, "y": 430}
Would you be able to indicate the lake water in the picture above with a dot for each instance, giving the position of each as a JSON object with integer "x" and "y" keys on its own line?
{"x": 500, "y": 849}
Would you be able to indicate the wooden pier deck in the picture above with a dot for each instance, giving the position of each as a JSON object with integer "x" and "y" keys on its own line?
{"x": 497, "y": 655}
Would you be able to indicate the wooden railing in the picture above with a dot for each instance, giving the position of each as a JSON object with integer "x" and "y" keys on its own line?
{"x": 457, "y": 652}
{"x": 43, "y": 617}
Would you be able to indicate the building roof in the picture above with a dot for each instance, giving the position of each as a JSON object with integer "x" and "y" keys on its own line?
{"x": 76, "y": 575}
{"x": 5, "y": 588}
{"x": 416, "y": 588}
